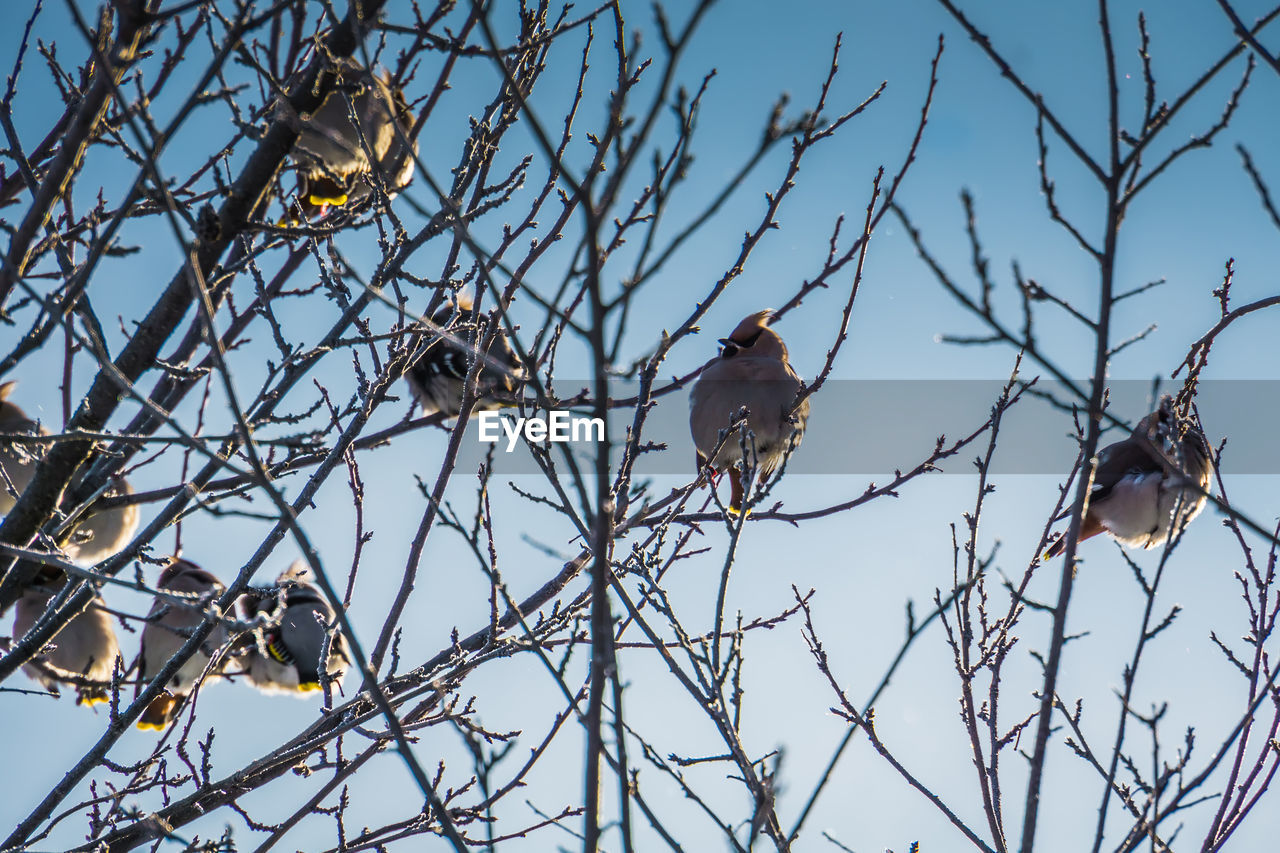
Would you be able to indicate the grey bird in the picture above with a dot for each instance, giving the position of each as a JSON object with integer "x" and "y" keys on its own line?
{"x": 1140, "y": 497}
{"x": 439, "y": 375}
{"x": 286, "y": 657}
{"x": 169, "y": 626}
{"x": 752, "y": 372}
{"x": 336, "y": 156}
{"x": 17, "y": 461}
{"x": 84, "y": 652}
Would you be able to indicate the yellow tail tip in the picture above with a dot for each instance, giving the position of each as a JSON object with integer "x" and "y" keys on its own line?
{"x": 321, "y": 200}
{"x": 92, "y": 700}
{"x": 146, "y": 725}
{"x": 309, "y": 686}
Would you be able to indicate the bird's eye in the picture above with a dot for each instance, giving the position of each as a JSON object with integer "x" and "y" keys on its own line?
{"x": 730, "y": 350}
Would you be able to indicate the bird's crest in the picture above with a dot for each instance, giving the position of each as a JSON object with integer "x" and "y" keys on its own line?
{"x": 753, "y": 334}
{"x": 180, "y": 566}
{"x": 751, "y": 326}
{"x": 298, "y": 571}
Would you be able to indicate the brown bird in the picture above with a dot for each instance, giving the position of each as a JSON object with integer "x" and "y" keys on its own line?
{"x": 101, "y": 534}
{"x": 439, "y": 375}
{"x": 17, "y": 461}
{"x": 1139, "y": 497}
{"x": 85, "y": 650}
{"x": 169, "y": 626}
{"x": 98, "y": 534}
{"x": 333, "y": 153}
{"x": 286, "y": 657}
{"x": 751, "y": 372}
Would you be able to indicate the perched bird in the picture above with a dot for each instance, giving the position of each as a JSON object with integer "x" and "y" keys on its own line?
{"x": 439, "y": 375}
{"x": 101, "y": 534}
{"x": 98, "y": 534}
{"x": 286, "y": 656}
{"x": 169, "y": 626}
{"x": 336, "y": 156}
{"x": 85, "y": 650}
{"x": 751, "y": 371}
{"x": 1139, "y": 497}
{"x": 17, "y": 461}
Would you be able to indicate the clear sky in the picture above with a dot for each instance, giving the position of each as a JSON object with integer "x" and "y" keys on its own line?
{"x": 865, "y": 565}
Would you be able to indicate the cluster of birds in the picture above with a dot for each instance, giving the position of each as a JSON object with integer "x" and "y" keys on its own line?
{"x": 748, "y": 411}
{"x": 362, "y": 134}
{"x": 281, "y": 638}
{"x": 1145, "y": 486}
{"x": 284, "y": 627}
{"x": 281, "y": 641}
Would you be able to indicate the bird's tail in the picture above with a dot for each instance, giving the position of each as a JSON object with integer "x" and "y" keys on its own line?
{"x": 1088, "y": 529}
{"x": 159, "y": 713}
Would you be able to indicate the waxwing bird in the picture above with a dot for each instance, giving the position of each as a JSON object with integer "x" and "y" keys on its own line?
{"x": 336, "y": 156}
{"x": 751, "y": 371}
{"x": 17, "y": 461}
{"x": 439, "y": 376}
{"x": 102, "y": 534}
{"x": 169, "y": 626}
{"x": 98, "y": 534}
{"x": 1140, "y": 493}
{"x": 287, "y": 653}
{"x": 84, "y": 652}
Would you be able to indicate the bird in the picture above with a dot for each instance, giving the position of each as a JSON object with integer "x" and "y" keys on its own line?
{"x": 17, "y": 461}
{"x": 752, "y": 372}
{"x": 84, "y": 652}
{"x": 439, "y": 375}
{"x": 101, "y": 534}
{"x": 332, "y": 153}
{"x": 1139, "y": 497}
{"x": 169, "y": 626}
{"x": 98, "y": 534}
{"x": 287, "y": 650}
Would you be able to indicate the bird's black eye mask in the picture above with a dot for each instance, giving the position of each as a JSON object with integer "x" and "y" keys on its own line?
{"x": 732, "y": 347}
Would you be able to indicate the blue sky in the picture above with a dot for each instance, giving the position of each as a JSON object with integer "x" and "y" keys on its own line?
{"x": 865, "y": 564}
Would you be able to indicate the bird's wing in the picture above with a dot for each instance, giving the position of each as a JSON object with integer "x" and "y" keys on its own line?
{"x": 1116, "y": 461}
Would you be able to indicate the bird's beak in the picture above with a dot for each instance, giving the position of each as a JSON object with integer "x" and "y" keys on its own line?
{"x": 724, "y": 342}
